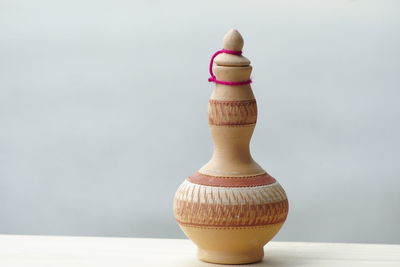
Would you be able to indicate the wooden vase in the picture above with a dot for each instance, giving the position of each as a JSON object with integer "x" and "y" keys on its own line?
{"x": 231, "y": 207}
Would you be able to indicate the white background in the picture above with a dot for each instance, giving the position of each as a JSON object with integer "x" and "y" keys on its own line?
{"x": 103, "y": 112}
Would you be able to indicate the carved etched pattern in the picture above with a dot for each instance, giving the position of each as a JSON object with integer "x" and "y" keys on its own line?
{"x": 257, "y": 180}
{"x": 232, "y": 112}
{"x": 199, "y": 205}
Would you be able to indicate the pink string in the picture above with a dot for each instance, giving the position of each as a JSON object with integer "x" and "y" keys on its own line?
{"x": 214, "y": 79}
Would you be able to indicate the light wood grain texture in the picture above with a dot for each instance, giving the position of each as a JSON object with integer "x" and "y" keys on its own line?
{"x": 45, "y": 251}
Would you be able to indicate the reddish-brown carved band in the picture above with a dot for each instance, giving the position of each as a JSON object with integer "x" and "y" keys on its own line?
{"x": 209, "y": 214}
{"x": 263, "y": 179}
{"x": 232, "y": 112}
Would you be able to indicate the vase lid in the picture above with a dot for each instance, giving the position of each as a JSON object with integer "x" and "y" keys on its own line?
{"x": 233, "y": 40}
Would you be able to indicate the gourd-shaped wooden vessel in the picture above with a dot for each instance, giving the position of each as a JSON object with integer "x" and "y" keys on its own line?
{"x": 231, "y": 207}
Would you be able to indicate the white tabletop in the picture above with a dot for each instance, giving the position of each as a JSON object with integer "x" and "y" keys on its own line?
{"x": 59, "y": 251}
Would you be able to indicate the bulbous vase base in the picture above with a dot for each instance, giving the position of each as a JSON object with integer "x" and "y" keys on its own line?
{"x": 231, "y": 245}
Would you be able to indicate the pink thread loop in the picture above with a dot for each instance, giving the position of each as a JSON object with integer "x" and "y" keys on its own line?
{"x": 214, "y": 79}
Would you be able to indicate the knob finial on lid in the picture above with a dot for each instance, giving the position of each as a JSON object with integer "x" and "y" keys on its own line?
{"x": 233, "y": 40}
